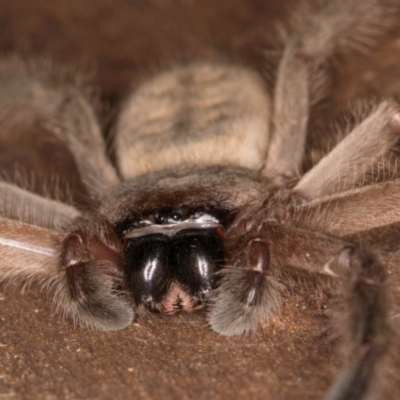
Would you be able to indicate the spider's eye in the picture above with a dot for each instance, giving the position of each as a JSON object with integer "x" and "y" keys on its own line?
{"x": 161, "y": 218}
{"x": 167, "y": 217}
{"x": 176, "y": 216}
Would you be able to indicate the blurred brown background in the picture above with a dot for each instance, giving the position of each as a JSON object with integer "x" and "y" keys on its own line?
{"x": 120, "y": 41}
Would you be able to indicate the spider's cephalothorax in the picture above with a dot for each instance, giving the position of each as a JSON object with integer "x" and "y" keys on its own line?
{"x": 206, "y": 203}
{"x": 173, "y": 245}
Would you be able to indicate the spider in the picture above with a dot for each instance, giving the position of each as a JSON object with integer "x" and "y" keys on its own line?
{"x": 206, "y": 204}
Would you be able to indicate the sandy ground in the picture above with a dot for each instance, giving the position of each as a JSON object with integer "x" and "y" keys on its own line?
{"x": 293, "y": 356}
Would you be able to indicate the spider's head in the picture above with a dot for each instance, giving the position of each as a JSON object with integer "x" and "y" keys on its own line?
{"x": 172, "y": 229}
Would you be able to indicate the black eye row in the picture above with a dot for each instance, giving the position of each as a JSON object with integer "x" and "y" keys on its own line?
{"x": 167, "y": 216}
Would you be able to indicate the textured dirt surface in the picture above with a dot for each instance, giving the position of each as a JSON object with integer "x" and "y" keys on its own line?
{"x": 293, "y": 356}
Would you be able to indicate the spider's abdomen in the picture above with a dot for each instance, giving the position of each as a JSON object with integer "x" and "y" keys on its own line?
{"x": 198, "y": 114}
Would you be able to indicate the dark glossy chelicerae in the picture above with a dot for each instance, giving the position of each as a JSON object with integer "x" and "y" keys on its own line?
{"x": 173, "y": 264}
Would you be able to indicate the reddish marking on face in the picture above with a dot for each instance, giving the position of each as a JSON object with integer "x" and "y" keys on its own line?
{"x": 177, "y": 299}
{"x": 219, "y": 230}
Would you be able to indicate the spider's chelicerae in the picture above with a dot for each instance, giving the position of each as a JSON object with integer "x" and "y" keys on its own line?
{"x": 206, "y": 204}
